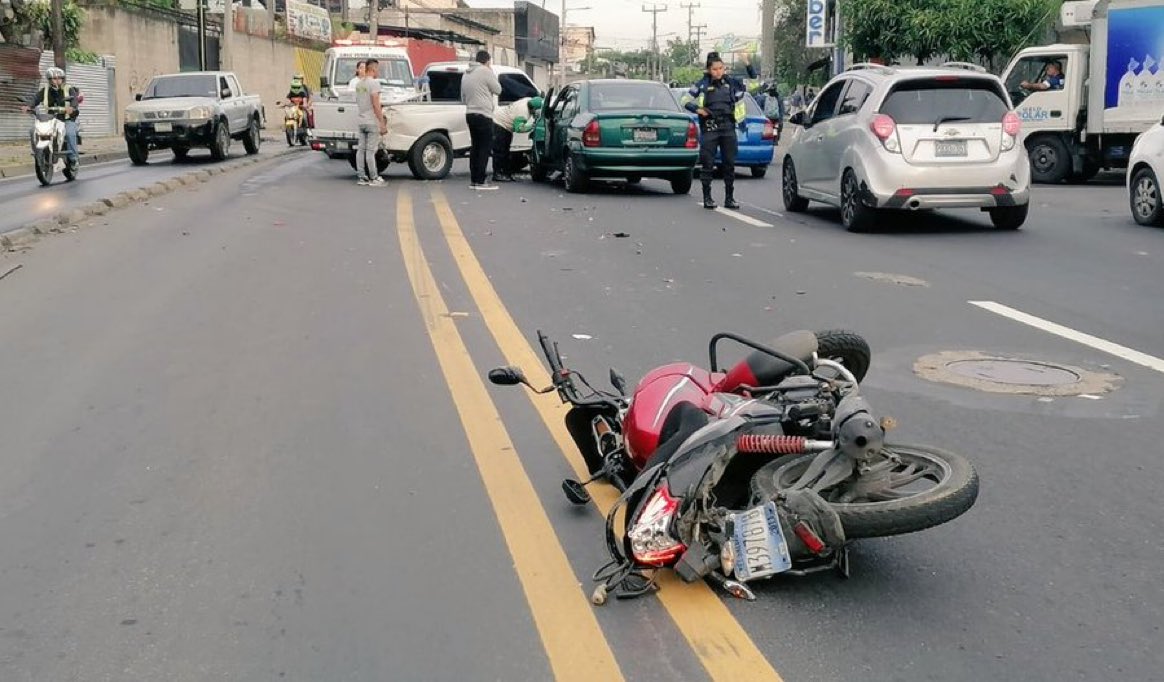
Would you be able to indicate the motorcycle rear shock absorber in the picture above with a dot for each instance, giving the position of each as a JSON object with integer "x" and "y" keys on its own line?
{"x": 759, "y": 444}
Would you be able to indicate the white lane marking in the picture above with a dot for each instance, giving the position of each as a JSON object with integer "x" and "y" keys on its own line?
{"x": 1129, "y": 354}
{"x": 742, "y": 218}
{"x": 769, "y": 211}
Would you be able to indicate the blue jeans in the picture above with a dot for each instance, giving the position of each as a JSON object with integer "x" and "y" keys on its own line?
{"x": 71, "y": 140}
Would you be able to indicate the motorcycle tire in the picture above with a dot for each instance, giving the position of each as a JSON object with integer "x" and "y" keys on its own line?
{"x": 44, "y": 167}
{"x": 952, "y": 496}
{"x": 848, "y": 348}
{"x": 290, "y": 136}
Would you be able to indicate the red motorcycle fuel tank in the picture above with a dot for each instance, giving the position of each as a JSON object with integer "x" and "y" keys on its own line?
{"x": 656, "y": 395}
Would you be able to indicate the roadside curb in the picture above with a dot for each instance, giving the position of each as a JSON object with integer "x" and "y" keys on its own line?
{"x": 24, "y": 236}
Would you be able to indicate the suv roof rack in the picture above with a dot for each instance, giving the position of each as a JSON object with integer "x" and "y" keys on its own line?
{"x": 964, "y": 65}
{"x": 870, "y": 66}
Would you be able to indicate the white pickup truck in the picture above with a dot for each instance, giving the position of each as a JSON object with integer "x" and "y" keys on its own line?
{"x": 430, "y": 132}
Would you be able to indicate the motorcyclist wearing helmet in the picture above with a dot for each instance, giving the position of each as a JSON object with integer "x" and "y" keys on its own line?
{"x": 300, "y": 94}
{"x": 718, "y": 99}
{"x": 65, "y": 99}
{"x": 517, "y": 117}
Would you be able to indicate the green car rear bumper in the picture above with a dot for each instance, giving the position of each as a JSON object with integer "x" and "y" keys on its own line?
{"x": 599, "y": 162}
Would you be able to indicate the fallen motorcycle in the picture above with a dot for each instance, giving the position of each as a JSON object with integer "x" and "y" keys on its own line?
{"x": 771, "y": 467}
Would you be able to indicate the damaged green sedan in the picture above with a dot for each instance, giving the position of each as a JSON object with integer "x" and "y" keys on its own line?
{"x": 618, "y": 129}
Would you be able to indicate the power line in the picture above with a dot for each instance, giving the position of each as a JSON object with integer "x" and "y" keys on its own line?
{"x": 655, "y": 10}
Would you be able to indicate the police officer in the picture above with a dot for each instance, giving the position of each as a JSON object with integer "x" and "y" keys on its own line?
{"x": 66, "y": 99}
{"x": 718, "y": 99}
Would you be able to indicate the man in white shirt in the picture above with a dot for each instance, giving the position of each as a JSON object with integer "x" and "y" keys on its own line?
{"x": 372, "y": 124}
{"x": 517, "y": 117}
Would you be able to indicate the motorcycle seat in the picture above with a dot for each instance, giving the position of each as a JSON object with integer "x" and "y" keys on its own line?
{"x": 761, "y": 369}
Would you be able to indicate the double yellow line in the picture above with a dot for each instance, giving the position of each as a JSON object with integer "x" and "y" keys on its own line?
{"x": 571, "y": 636}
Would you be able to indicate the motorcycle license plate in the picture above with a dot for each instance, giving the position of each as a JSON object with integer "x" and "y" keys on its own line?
{"x": 646, "y": 135}
{"x": 950, "y": 148}
{"x": 758, "y": 540}
{"x": 163, "y": 127}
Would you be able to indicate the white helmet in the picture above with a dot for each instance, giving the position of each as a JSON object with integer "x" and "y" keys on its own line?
{"x": 53, "y": 72}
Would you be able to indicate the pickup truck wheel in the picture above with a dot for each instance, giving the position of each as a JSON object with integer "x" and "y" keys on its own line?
{"x": 139, "y": 153}
{"x": 220, "y": 148}
{"x": 431, "y": 158}
{"x": 253, "y": 138}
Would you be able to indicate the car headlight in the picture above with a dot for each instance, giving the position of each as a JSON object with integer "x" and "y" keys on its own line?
{"x": 202, "y": 113}
{"x": 132, "y": 116}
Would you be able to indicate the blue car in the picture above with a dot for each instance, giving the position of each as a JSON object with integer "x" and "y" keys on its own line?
{"x": 757, "y": 137}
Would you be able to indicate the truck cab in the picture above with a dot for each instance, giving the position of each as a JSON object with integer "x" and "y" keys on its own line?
{"x": 397, "y": 82}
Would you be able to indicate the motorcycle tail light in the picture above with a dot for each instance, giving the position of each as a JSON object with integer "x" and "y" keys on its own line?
{"x": 885, "y": 128}
{"x": 692, "y": 137}
{"x": 650, "y": 536}
{"x": 592, "y": 135}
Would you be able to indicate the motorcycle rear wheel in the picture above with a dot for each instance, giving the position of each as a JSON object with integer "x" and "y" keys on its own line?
{"x": 848, "y": 348}
{"x": 954, "y": 490}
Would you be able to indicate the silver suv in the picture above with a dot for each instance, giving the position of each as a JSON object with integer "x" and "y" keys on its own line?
{"x": 881, "y": 138}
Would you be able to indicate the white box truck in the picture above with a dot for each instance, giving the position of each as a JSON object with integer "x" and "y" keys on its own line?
{"x": 1112, "y": 88}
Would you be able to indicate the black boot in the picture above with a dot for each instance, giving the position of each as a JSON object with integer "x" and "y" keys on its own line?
{"x": 708, "y": 202}
{"x": 729, "y": 198}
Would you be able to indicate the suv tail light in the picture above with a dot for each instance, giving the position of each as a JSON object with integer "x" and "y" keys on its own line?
{"x": 651, "y": 540}
{"x": 592, "y": 135}
{"x": 692, "y": 137}
{"x": 769, "y": 131}
{"x": 885, "y": 128}
{"x": 1011, "y": 125}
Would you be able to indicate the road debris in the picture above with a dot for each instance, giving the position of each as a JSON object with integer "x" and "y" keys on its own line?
{"x": 11, "y": 270}
{"x": 583, "y": 337}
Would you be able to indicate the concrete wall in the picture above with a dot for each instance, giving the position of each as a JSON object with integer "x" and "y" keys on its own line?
{"x": 147, "y": 45}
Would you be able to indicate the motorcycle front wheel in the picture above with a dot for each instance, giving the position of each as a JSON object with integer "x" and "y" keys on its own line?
{"x": 290, "y": 132}
{"x": 925, "y": 488}
{"x": 44, "y": 166}
{"x": 848, "y": 348}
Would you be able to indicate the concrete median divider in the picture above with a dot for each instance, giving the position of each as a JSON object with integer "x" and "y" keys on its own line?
{"x": 25, "y": 235}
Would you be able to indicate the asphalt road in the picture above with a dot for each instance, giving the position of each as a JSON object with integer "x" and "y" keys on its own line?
{"x": 25, "y": 200}
{"x": 244, "y": 435}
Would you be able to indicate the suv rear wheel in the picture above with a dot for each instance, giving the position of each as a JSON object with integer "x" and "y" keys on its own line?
{"x": 1009, "y": 217}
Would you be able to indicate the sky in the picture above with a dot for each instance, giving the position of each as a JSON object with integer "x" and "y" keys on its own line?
{"x": 621, "y": 24}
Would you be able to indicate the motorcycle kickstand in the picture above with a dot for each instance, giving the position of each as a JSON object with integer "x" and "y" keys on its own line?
{"x": 842, "y": 562}
{"x": 733, "y": 587}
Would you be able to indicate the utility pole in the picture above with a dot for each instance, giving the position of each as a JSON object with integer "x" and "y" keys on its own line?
{"x": 226, "y": 51}
{"x": 202, "y": 35}
{"x": 768, "y": 39}
{"x": 690, "y": 17}
{"x": 374, "y": 20}
{"x": 58, "y": 8}
{"x": 699, "y": 29}
{"x": 655, "y": 10}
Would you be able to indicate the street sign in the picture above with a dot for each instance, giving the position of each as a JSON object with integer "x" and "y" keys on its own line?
{"x": 817, "y": 30}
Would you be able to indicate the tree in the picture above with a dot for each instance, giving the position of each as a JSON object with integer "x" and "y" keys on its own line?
{"x": 36, "y": 16}
{"x": 681, "y": 53}
{"x": 793, "y": 59}
{"x": 964, "y": 30}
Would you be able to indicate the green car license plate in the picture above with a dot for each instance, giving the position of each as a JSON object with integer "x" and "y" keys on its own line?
{"x": 947, "y": 148}
{"x": 646, "y": 135}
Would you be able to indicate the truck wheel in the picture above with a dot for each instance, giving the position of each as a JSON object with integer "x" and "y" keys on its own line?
{"x": 253, "y": 138}
{"x": 139, "y": 153}
{"x": 1050, "y": 159}
{"x": 220, "y": 148}
{"x": 431, "y": 158}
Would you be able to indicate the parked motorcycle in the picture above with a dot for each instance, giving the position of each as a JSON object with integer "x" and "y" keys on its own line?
{"x": 294, "y": 123}
{"x": 771, "y": 467}
{"x": 48, "y": 145}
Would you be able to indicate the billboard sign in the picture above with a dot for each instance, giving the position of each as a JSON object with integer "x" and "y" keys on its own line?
{"x": 816, "y": 25}
{"x": 536, "y": 32}
{"x": 308, "y": 21}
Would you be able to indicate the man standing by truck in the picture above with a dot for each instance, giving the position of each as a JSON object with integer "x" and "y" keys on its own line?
{"x": 478, "y": 88}
{"x": 372, "y": 125}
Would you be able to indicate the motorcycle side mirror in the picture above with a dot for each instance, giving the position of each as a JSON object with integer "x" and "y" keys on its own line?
{"x": 507, "y": 376}
{"x": 137, "y": 97}
{"x": 618, "y": 381}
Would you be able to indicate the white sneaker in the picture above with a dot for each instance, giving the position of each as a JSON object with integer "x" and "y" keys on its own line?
{"x": 378, "y": 182}
{"x": 362, "y": 182}
{"x": 485, "y": 187}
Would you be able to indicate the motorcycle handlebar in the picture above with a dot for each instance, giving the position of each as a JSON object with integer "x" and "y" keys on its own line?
{"x": 564, "y": 381}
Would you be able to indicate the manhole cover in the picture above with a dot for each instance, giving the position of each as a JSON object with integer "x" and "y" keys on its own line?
{"x": 1020, "y": 372}
{"x": 994, "y": 374}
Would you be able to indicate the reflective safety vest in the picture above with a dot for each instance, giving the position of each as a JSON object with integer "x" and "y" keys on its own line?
{"x": 695, "y": 98}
